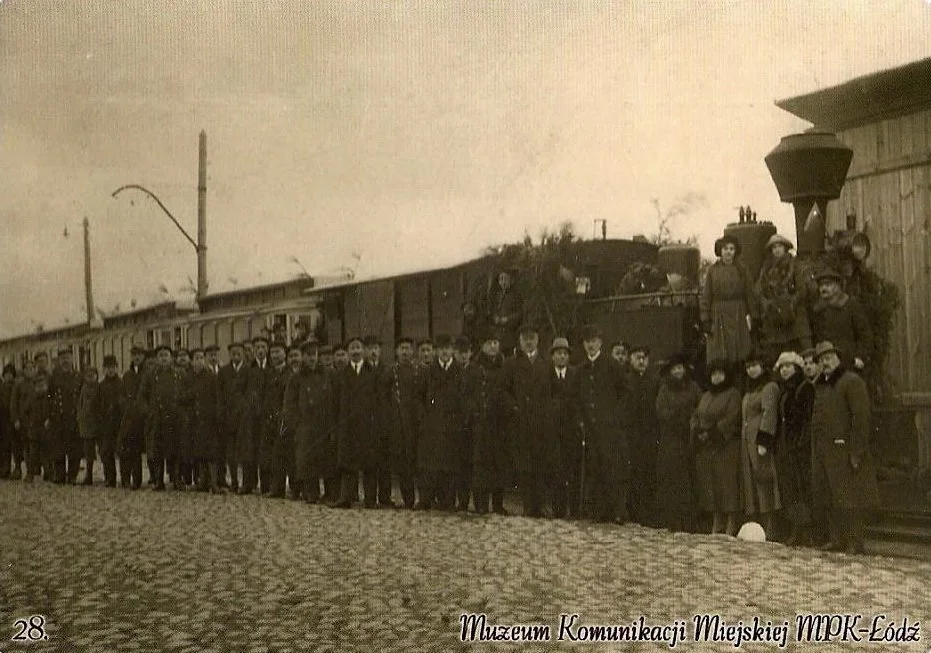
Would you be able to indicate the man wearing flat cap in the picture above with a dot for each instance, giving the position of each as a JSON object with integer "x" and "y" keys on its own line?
{"x": 132, "y": 426}
{"x": 64, "y": 389}
{"x": 525, "y": 387}
{"x": 841, "y": 319}
{"x": 843, "y": 473}
{"x": 605, "y": 407}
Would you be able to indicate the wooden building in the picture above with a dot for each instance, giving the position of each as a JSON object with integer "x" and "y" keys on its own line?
{"x": 885, "y": 118}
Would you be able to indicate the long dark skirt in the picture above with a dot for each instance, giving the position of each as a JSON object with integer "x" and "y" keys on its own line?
{"x": 674, "y": 500}
{"x": 717, "y": 477}
{"x": 793, "y": 469}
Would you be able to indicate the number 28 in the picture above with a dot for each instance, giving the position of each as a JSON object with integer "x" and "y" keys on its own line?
{"x": 31, "y": 630}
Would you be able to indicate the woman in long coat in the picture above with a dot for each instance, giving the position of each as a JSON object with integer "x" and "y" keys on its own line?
{"x": 793, "y": 444}
{"x": 715, "y": 431}
{"x": 760, "y": 412}
{"x": 725, "y": 304}
{"x": 674, "y": 501}
{"x": 781, "y": 292}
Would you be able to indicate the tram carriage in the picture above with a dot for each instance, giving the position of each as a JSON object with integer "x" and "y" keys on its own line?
{"x": 419, "y": 304}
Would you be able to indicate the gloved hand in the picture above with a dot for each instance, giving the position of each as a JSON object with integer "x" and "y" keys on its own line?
{"x": 761, "y": 450}
{"x": 855, "y": 462}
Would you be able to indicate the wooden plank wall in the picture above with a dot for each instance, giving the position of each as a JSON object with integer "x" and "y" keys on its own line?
{"x": 889, "y": 188}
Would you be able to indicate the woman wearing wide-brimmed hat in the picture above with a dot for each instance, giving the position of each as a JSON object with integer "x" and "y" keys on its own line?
{"x": 674, "y": 500}
{"x": 715, "y": 432}
{"x": 782, "y": 294}
{"x": 793, "y": 445}
{"x": 725, "y": 304}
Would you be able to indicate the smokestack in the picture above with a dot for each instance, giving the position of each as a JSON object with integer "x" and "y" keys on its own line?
{"x": 202, "y": 217}
{"x": 88, "y": 289}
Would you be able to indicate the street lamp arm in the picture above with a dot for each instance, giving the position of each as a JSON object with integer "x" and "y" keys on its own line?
{"x": 161, "y": 206}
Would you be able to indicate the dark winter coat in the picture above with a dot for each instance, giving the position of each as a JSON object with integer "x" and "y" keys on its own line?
{"x": 717, "y": 459}
{"x": 562, "y": 417}
{"x": 401, "y": 413}
{"x": 782, "y": 306}
{"x": 109, "y": 412}
{"x": 442, "y": 397}
{"x": 675, "y": 496}
{"x": 793, "y": 447}
{"x": 310, "y": 413}
{"x": 357, "y": 433}
{"x": 840, "y": 430}
{"x": 491, "y": 453}
{"x": 204, "y": 408}
{"x": 36, "y": 416}
{"x": 760, "y": 422}
{"x": 270, "y": 423}
{"x": 844, "y": 323}
{"x": 252, "y": 427}
{"x": 87, "y": 411}
{"x": 725, "y": 302}
{"x": 234, "y": 402}
{"x": 525, "y": 390}
{"x": 160, "y": 395}
{"x": 183, "y": 440}
{"x": 132, "y": 426}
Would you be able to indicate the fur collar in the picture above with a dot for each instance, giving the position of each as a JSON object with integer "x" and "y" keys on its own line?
{"x": 835, "y": 376}
{"x": 839, "y": 301}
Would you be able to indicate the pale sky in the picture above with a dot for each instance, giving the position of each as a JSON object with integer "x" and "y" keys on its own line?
{"x": 410, "y": 134}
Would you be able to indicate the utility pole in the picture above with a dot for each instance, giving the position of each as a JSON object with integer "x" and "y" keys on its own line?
{"x": 202, "y": 217}
{"x": 88, "y": 288}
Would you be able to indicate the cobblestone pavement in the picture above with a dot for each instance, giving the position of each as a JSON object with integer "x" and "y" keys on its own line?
{"x": 114, "y": 570}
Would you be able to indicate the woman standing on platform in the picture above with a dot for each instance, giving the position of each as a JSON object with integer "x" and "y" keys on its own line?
{"x": 724, "y": 305}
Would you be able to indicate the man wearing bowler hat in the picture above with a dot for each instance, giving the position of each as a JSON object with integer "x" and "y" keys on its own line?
{"x": 841, "y": 319}
{"x": 605, "y": 406}
{"x": 843, "y": 474}
{"x": 64, "y": 389}
{"x": 525, "y": 387}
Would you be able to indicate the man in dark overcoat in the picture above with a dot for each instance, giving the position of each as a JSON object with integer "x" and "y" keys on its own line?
{"x": 644, "y": 443}
{"x": 23, "y": 390}
{"x": 440, "y": 391}
{"x": 491, "y": 453}
{"x": 131, "y": 438}
{"x": 160, "y": 395}
{"x": 843, "y": 472}
{"x": 9, "y": 436}
{"x": 274, "y": 469}
{"x": 178, "y": 451}
{"x": 383, "y": 463}
{"x": 535, "y": 448}
{"x": 109, "y": 417}
{"x": 357, "y": 432}
{"x": 203, "y": 400}
{"x": 64, "y": 389}
{"x": 402, "y": 413}
{"x": 233, "y": 382}
{"x": 249, "y": 436}
{"x": 504, "y": 309}
{"x": 841, "y": 319}
{"x": 563, "y": 418}
{"x": 463, "y": 356}
{"x": 605, "y": 406}
{"x": 310, "y": 413}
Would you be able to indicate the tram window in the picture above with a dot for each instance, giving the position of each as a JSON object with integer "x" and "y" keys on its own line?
{"x": 309, "y": 325}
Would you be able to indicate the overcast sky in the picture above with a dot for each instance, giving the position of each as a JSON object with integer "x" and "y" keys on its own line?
{"x": 390, "y": 136}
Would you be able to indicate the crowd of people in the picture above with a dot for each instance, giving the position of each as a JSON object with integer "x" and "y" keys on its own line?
{"x": 607, "y": 438}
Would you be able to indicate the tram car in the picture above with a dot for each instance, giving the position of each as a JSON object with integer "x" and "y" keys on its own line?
{"x": 420, "y": 304}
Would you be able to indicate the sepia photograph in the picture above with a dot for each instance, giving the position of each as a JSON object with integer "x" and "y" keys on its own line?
{"x": 465, "y": 325}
